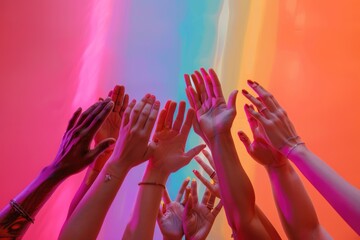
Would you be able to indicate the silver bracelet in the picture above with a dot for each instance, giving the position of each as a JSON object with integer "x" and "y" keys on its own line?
{"x": 21, "y": 211}
{"x": 292, "y": 148}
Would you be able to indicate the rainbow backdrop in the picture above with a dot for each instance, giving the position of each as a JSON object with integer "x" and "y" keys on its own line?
{"x": 58, "y": 55}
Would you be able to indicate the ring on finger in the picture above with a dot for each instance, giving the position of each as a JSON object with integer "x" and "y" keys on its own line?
{"x": 212, "y": 175}
{"x": 262, "y": 109}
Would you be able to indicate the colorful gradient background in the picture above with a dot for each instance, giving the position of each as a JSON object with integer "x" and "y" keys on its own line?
{"x": 61, "y": 54}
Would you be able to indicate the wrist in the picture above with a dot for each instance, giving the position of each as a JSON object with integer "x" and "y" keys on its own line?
{"x": 219, "y": 136}
{"x": 297, "y": 151}
{"x": 116, "y": 169}
{"x": 155, "y": 175}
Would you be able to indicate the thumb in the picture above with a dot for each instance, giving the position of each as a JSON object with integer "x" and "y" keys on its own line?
{"x": 232, "y": 99}
{"x": 245, "y": 140}
{"x": 194, "y": 151}
{"x": 103, "y": 145}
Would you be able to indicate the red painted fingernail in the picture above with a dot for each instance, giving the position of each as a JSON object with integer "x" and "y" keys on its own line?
{"x": 247, "y": 106}
{"x": 195, "y": 171}
{"x": 250, "y": 82}
{"x": 244, "y": 91}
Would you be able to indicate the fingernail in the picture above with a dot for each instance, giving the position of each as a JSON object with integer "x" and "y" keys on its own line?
{"x": 247, "y": 106}
{"x": 147, "y": 95}
{"x": 195, "y": 171}
{"x": 244, "y": 91}
{"x": 187, "y": 179}
{"x": 250, "y": 82}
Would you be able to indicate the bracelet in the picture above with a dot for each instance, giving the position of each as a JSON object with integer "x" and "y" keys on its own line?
{"x": 292, "y": 148}
{"x": 21, "y": 211}
{"x": 152, "y": 183}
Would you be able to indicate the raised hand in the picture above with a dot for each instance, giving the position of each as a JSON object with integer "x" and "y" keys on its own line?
{"x": 170, "y": 214}
{"x": 111, "y": 126}
{"x": 170, "y": 138}
{"x": 278, "y": 130}
{"x": 198, "y": 217}
{"x": 132, "y": 146}
{"x": 259, "y": 149}
{"x": 213, "y": 186}
{"x": 74, "y": 153}
{"x": 213, "y": 114}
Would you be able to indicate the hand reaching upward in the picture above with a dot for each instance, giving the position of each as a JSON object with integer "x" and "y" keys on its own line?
{"x": 214, "y": 116}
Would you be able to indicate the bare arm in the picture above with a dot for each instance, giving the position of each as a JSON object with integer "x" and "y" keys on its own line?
{"x": 109, "y": 129}
{"x": 168, "y": 156}
{"x": 73, "y": 156}
{"x": 215, "y": 119}
{"x": 281, "y": 135}
{"x": 130, "y": 150}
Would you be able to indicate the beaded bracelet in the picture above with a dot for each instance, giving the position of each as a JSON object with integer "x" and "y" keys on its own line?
{"x": 151, "y": 183}
{"x": 21, "y": 211}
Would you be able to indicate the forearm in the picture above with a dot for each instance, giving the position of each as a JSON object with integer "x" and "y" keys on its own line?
{"x": 235, "y": 186}
{"x": 31, "y": 200}
{"x": 295, "y": 208}
{"x": 342, "y": 196}
{"x": 87, "y": 218}
{"x": 90, "y": 176}
{"x": 143, "y": 219}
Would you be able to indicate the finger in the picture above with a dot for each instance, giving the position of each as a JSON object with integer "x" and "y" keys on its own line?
{"x": 186, "y": 195}
{"x": 182, "y": 190}
{"x": 91, "y": 115}
{"x": 206, "y": 167}
{"x": 196, "y": 84}
{"x": 119, "y": 98}
{"x": 209, "y": 158}
{"x": 126, "y": 116}
{"x": 73, "y": 119}
{"x": 191, "y": 102}
{"x": 204, "y": 181}
{"x": 161, "y": 121}
{"x": 170, "y": 115}
{"x": 150, "y": 122}
{"x": 217, "y": 209}
{"x": 261, "y": 107}
{"x": 124, "y": 105}
{"x": 188, "y": 122}
{"x": 180, "y": 117}
{"x": 135, "y": 113}
{"x": 145, "y": 112}
{"x": 252, "y": 121}
{"x": 232, "y": 100}
{"x": 245, "y": 140}
{"x": 98, "y": 119}
{"x": 114, "y": 93}
{"x": 216, "y": 84}
{"x": 208, "y": 83}
{"x": 266, "y": 97}
{"x": 88, "y": 111}
{"x": 166, "y": 197}
{"x": 206, "y": 197}
{"x": 194, "y": 151}
{"x": 211, "y": 200}
{"x": 102, "y": 146}
{"x": 203, "y": 93}
{"x": 257, "y": 116}
{"x": 189, "y": 206}
{"x": 194, "y": 195}
{"x": 195, "y": 98}
{"x": 187, "y": 80}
